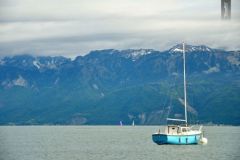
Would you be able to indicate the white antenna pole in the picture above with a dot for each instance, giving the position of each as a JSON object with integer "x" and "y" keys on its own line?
{"x": 185, "y": 88}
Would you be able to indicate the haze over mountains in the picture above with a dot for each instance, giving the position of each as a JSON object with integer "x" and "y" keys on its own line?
{"x": 108, "y": 86}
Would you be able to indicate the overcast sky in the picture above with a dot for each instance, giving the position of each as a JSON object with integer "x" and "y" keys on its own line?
{"x": 74, "y": 27}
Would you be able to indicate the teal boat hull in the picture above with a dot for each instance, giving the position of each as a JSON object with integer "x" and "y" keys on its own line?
{"x": 175, "y": 139}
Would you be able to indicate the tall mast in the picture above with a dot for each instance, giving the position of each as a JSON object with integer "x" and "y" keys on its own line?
{"x": 185, "y": 88}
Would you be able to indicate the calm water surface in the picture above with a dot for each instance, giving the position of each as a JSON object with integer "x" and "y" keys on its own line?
{"x": 110, "y": 143}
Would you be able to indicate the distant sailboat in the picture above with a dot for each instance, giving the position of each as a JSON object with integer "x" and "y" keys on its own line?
{"x": 133, "y": 124}
{"x": 180, "y": 134}
{"x": 121, "y": 124}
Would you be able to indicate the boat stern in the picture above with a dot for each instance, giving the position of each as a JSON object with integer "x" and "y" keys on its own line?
{"x": 159, "y": 138}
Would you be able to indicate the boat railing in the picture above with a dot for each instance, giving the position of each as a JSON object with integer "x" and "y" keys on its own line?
{"x": 197, "y": 128}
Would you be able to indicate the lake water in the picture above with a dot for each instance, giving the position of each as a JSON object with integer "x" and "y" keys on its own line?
{"x": 111, "y": 143}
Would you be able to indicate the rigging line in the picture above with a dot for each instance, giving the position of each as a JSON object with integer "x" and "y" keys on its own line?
{"x": 165, "y": 109}
{"x": 193, "y": 117}
{"x": 165, "y": 101}
{"x": 172, "y": 85}
{"x": 179, "y": 77}
{"x": 176, "y": 78}
{"x": 190, "y": 114}
{"x": 169, "y": 106}
{"x": 168, "y": 100}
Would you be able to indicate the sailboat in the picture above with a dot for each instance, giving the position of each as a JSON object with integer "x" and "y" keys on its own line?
{"x": 180, "y": 134}
{"x": 133, "y": 124}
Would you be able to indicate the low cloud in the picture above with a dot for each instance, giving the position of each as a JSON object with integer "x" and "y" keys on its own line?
{"x": 76, "y": 27}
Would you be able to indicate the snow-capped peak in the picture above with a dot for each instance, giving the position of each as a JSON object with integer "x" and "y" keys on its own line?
{"x": 36, "y": 63}
{"x": 190, "y": 48}
{"x": 140, "y": 52}
{"x": 134, "y": 54}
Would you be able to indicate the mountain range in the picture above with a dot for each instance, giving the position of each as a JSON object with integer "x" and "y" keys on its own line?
{"x": 108, "y": 86}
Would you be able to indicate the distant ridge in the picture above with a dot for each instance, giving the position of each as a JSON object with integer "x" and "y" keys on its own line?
{"x": 108, "y": 86}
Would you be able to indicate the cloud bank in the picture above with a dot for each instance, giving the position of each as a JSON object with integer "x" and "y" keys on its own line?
{"x": 70, "y": 28}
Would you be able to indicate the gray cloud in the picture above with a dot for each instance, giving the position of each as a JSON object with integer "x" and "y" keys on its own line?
{"x": 70, "y": 28}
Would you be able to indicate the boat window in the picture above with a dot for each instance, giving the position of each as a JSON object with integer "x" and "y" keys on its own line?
{"x": 184, "y": 130}
{"x": 173, "y": 128}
